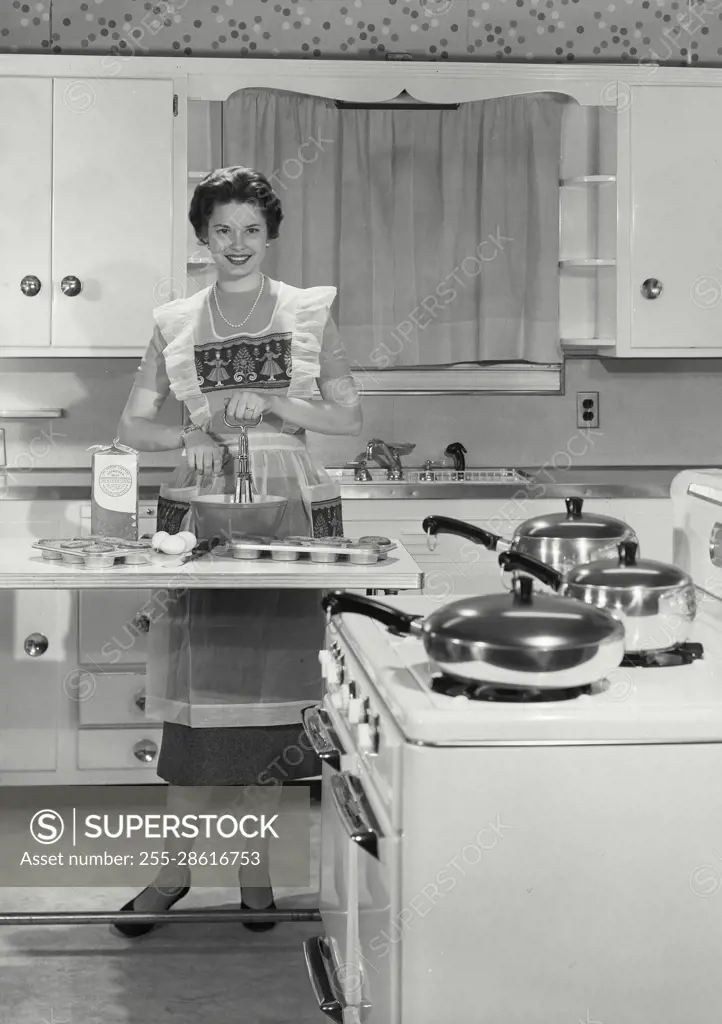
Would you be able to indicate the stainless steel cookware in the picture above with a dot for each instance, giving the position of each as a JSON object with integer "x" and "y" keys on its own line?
{"x": 522, "y": 639}
{"x": 654, "y": 601}
{"x": 562, "y": 539}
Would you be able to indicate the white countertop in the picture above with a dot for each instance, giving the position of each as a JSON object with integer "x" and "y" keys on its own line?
{"x": 23, "y": 568}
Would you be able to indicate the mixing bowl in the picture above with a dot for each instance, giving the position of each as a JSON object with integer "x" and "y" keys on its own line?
{"x": 219, "y": 516}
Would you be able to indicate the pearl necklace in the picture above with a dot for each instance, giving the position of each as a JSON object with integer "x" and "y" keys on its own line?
{"x": 250, "y": 314}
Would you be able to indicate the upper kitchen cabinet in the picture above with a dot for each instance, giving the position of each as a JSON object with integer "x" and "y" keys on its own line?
{"x": 670, "y": 219}
{"x": 25, "y": 184}
{"x": 88, "y": 247}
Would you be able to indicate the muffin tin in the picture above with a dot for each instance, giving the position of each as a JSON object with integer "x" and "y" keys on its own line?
{"x": 95, "y": 552}
{"x": 367, "y": 551}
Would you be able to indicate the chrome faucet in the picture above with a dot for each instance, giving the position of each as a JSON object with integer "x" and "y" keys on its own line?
{"x": 387, "y": 456}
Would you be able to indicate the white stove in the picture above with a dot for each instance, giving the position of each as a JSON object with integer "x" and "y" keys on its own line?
{"x": 518, "y": 862}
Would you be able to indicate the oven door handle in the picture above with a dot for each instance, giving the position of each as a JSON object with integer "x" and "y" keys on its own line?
{"x": 348, "y": 797}
{"x": 320, "y": 967}
{"x": 325, "y": 742}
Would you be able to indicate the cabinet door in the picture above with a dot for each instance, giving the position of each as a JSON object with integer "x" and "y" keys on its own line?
{"x": 112, "y": 209}
{"x": 676, "y": 168}
{"x": 31, "y": 687}
{"x": 113, "y": 627}
{"x": 25, "y": 183}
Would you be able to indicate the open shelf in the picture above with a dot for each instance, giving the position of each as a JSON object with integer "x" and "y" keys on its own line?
{"x": 584, "y": 344}
{"x": 589, "y": 179}
{"x": 587, "y": 262}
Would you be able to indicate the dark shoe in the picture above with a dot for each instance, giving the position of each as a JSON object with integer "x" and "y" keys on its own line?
{"x": 259, "y": 926}
{"x": 134, "y": 931}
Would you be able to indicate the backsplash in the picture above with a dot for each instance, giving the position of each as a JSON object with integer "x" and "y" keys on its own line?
{"x": 651, "y": 413}
{"x": 667, "y": 31}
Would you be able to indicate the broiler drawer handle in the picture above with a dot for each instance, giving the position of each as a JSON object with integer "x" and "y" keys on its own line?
{"x": 323, "y": 739}
{"x": 347, "y": 793}
{"x": 320, "y": 967}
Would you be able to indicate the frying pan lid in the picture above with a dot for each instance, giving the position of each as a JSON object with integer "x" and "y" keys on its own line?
{"x": 524, "y": 621}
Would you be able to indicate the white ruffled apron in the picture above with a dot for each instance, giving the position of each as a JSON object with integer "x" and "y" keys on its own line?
{"x": 230, "y": 658}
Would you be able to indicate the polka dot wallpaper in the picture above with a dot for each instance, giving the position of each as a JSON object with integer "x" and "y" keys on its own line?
{"x": 666, "y": 31}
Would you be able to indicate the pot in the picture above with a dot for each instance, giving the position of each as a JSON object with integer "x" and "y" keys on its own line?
{"x": 522, "y": 639}
{"x": 561, "y": 540}
{"x": 655, "y": 602}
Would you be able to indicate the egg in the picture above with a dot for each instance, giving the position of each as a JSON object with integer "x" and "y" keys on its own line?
{"x": 157, "y": 540}
{"x": 174, "y": 545}
{"x": 189, "y": 539}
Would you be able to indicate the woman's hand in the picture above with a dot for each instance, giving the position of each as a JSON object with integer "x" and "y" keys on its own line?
{"x": 248, "y": 406}
{"x": 204, "y": 454}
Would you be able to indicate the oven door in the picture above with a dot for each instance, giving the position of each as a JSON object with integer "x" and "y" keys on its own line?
{"x": 374, "y": 977}
{"x": 330, "y": 957}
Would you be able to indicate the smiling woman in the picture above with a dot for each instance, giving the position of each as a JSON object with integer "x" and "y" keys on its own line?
{"x": 229, "y": 672}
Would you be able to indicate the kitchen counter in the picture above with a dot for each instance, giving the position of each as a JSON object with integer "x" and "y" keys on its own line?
{"x": 23, "y": 568}
{"x": 542, "y": 482}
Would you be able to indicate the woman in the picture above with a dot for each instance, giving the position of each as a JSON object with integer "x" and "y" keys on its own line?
{"x": 229, "y": 672}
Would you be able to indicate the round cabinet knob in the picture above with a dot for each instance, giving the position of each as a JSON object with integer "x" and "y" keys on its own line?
{"x": 35, "y": 645}
{"x": 146, "y": 751}
{"x": 30, "y": 285}
{"x": 651, "y": 288}
{"x": 71, "y": 286}
{"x": 141, "y": 622}
{"x": 139, "y": 700}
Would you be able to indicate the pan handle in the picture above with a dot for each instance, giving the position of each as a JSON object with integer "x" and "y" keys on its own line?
{"x": 511, "y": 561}
{"x": 338, "y": 601}
{"x": 441, "y": 524}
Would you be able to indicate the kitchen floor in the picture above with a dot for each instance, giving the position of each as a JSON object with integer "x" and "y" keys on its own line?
{"x": 89, "y": 974}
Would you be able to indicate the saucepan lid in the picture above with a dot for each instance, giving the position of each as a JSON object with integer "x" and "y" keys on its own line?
{"x": 628, "y": 572}
{"x": 574, "y": 524}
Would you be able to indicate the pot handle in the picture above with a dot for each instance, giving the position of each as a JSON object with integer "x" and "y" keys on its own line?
{"x": 441, "y": 524}
{"x": 628, "y": 551}
{"x": 574, "y": 507}
{"x": 338, "y": 601}
{"x": 510, "y": 561}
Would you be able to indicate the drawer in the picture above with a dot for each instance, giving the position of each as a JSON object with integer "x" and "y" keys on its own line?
{"x": 115, "y": 698}
{"x": 118, "y": 748}
{"x": 113, "y": 627}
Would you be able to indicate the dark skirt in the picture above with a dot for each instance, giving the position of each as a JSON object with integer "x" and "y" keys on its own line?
{"x": 246, "y": 756}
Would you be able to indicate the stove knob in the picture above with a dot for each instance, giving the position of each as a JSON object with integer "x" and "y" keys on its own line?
{"x": 326, "y": 659}
{"x": 355, "y": 710}
{"x": 366, "y": 738}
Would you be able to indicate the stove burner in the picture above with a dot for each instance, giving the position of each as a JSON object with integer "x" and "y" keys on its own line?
{"x": 453, "y": 686}
{"x": 671, "y": 657}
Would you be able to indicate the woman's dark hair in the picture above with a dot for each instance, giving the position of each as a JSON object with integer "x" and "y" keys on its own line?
{"x": 234, "y": 185}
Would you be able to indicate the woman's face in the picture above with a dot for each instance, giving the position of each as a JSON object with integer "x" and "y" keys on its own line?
{"x": 237, "y": 237}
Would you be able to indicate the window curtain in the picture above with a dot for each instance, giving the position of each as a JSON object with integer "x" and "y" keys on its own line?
{"x": 440, "y": 228}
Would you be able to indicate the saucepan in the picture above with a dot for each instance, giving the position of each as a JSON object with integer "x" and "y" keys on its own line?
{"x": 655, "y": 602}
{"x": 561, "y": 540}
{"x": 520, "y": 639}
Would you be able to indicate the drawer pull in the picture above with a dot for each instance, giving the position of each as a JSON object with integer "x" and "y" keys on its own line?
{"x": 141, "y": 622}
{"x": 146, "y": 751}
{"x": 35, "y": 645}
{"x": 139, "y": 700}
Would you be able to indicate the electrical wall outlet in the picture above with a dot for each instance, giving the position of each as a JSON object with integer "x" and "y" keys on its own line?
{"x": 588, "y": 410}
